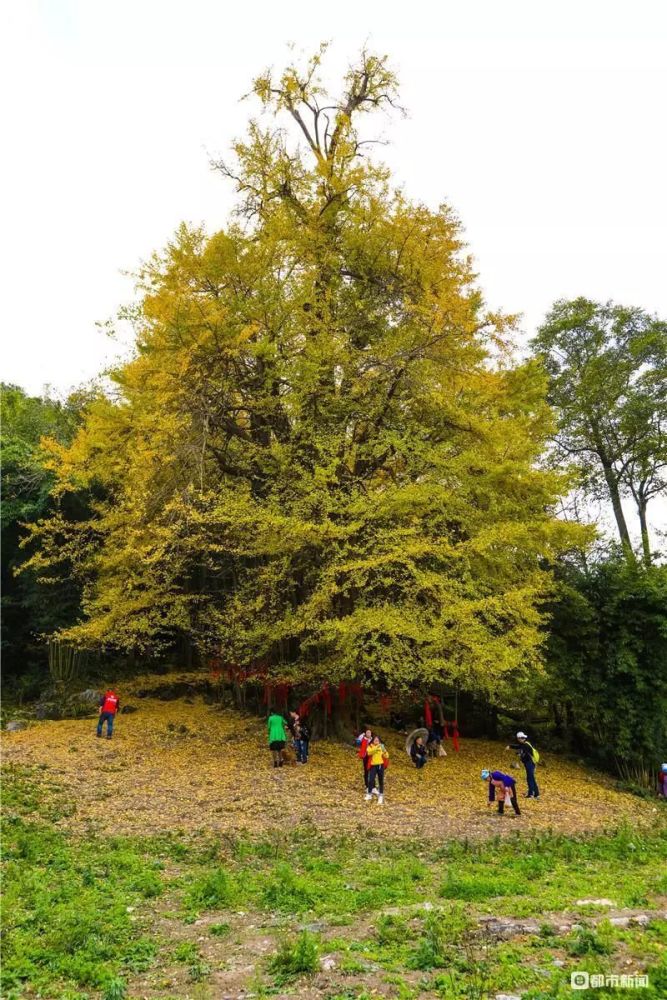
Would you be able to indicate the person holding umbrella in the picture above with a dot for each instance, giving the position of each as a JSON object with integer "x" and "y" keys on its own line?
{"x": 419, "y": 753}
{"x": 415, "y": 747}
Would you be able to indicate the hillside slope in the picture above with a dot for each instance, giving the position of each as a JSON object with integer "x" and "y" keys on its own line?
{"x": 190, "y": 766}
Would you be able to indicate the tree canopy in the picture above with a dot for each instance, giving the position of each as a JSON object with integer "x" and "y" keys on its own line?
{"x": 607, "y": 368}
{"x": 607, "y": 656}
{"x": 322, "y": 456}
{"x": 29, "y": 609}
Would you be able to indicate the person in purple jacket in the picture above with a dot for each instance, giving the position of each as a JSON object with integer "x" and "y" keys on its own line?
{"x": 500, "y": 786}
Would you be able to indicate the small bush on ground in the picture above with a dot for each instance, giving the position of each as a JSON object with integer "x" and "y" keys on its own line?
{"x": 296, "y": 957}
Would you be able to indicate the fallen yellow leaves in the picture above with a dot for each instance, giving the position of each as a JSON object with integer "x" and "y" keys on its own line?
{"x": 176, "y": 765}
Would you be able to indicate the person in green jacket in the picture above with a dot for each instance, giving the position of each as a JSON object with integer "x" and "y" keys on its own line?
{"x": 277, "y": 729}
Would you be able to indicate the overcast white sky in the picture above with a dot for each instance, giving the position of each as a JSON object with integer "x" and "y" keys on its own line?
{"x": 543, "y": 124}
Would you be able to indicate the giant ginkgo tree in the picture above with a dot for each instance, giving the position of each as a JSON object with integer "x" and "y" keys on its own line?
{"x": 322, "y": 456}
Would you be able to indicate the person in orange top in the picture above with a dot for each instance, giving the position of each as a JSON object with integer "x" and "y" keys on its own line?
{"x": 109, "y": 705}
{"x": 378, "y": 760}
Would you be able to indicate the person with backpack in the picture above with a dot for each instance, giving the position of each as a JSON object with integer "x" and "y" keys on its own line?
{"x": 109, "y": 705}
{"x": 529, "y": 757}
{"x": 277, "y": 733}
{"x": 378, "y": 761}
{"x": 502, "y": 787}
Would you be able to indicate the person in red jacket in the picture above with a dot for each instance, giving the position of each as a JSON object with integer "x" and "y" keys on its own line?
{"x": 363, "y": 740}
{"x": 109, "y": 705}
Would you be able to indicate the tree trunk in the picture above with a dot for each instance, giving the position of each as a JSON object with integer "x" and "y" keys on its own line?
{"x": 615, "y": 496}
{"x": 646, "y": 543}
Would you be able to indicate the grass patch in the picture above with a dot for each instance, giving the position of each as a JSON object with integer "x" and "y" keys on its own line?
{"x": 212, "y": 891}
{"x": 219, "y": 930}
{"x": 79, "y": 911}
{"x": 297, "y": 957}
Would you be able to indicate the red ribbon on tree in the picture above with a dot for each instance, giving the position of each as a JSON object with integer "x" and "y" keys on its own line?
{"x": 428, "y": 715}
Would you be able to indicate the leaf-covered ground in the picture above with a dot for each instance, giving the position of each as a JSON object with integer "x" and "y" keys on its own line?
{"x": 298, "y": 914}
{"x": 174, "y": 765}
{"x": 174, "y": 863}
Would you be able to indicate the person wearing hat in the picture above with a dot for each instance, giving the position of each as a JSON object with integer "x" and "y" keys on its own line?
{"x": 527, "y": 758}
{"x": 504, "y": 787}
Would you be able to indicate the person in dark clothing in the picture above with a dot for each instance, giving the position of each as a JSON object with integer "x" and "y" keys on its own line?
{"x": 502, "y": 787}
{"x": 397, "y": 722}
{"x": 301, "y": 734}
{"x": 527, "y": 758}
{"x": 419, "y": 753}
{"x": 434, "y": 739}
{"x": 109, "y": 705}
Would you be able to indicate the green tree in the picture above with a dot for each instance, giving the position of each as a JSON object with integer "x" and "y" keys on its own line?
{"x": 607, "y": 663}
{"x": 29, "y": 608}
{"x": 322, "y": 456}
{"x": 607, "y": 367}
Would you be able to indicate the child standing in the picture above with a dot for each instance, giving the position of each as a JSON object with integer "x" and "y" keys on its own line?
{"x": 503, "y": 787}
{"x": 378, "y": 759}
{"x": 277, "y": 732}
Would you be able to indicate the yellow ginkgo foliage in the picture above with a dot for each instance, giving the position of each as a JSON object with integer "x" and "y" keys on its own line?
{"x": 322, "y": 455}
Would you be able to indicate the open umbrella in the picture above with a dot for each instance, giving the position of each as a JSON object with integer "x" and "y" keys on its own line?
{"x": 415, "y": 734}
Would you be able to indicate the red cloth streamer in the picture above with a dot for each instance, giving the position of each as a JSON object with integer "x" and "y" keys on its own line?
{"x": 282, "y": 694}
{"x": 455, "y": 736}
{"x": 342, "y": 692}
{"x": 428, "y": 715}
